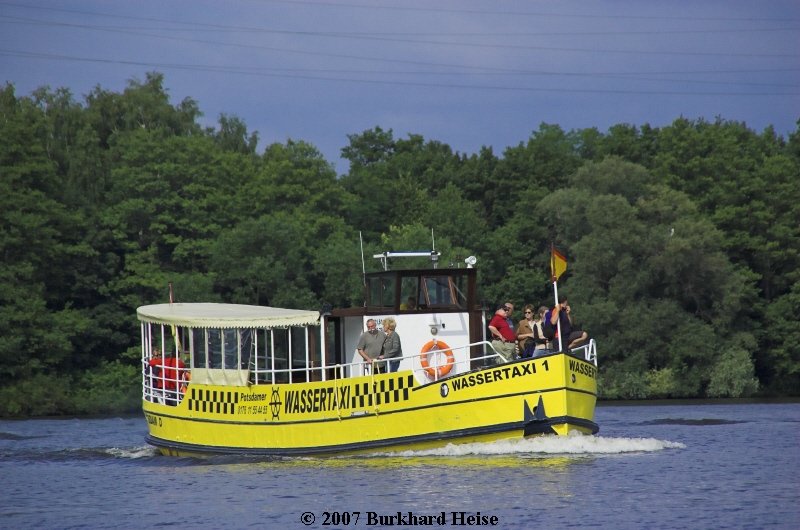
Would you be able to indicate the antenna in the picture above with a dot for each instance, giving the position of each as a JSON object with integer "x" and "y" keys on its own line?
{"x": 384, "y": 256}
{"x": 434, "y": 254}
{"x": 363, "y": 267}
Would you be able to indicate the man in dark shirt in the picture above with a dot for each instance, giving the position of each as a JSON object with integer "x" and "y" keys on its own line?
{"x": 570, "y": 338}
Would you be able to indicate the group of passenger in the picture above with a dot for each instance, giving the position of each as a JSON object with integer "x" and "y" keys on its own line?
{"x": 168, "y": 376}
{"x": 537, "y": 333}
{"x": 381, "y": 350}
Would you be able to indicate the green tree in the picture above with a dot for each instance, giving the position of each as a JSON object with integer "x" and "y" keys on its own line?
{"x": 292, "y": 176}
{"x": 745, "y": 184}
{"x": 651, "y": 275}
{"x": 37, "y": 239}
{"x": 392, "y": 180}
{"x": 781, "y": 363}
{"x": 539, "y": 166}
{"x": 232, "y": 136}
{"x": 265, "y": 261}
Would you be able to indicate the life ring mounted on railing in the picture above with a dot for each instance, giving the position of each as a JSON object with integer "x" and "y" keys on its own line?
{"x": 438, "y": 347}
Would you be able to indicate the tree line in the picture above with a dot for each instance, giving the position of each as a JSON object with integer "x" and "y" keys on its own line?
{"x": 683, "y": 241}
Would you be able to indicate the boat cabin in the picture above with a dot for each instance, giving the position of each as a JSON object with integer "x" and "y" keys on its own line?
{"x": 436, "y": 311}
{"x": 426, "y": 304}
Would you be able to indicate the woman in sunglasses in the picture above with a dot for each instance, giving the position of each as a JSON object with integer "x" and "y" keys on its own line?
{"x": 529, "y": 333}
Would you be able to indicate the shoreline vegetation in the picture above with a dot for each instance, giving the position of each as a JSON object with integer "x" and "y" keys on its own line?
{"x": 682, "y": 241}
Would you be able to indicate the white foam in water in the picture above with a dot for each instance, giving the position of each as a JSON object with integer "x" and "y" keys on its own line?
{"x": 575, "y": 444}
{"x": 144, "y": 451}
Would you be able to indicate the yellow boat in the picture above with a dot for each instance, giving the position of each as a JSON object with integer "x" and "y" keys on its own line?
{"x": 252, "y": 380}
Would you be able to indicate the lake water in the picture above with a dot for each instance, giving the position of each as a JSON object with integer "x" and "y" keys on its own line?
{"x": 690, "y": 465}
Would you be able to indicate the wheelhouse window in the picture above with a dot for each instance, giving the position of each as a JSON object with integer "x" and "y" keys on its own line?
{"x": 445, "y": 291}
{"x": 412, "y": 290}
{"x": 381, "y": 292}
{"x": 409, "y": 293}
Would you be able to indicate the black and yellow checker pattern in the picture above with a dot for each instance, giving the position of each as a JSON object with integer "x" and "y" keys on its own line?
{"x": 214, "y": 401}
{"x": 369, "y": 394}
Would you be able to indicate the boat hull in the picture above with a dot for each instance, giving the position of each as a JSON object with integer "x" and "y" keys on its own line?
{"x": 554, "y": 394}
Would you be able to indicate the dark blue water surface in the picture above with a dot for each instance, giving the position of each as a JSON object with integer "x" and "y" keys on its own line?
{"x": 688, "y": 465}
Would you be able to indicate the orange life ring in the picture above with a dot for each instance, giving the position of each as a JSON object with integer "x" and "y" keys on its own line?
{"x": 444, "y": 369}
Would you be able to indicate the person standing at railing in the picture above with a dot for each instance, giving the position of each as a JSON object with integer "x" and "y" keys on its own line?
{"x": 155, "y": 375}
{"x": 392, "y": 349}
{"x": 167, "y": 373}
{"x": 504, "y": 340}
{"x": 510, "y": 320}
{"x": 369, "y": 345}
{"x": 543, "y": 345}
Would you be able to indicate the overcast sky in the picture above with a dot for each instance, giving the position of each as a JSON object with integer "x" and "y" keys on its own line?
{"x": 467, "y": 73}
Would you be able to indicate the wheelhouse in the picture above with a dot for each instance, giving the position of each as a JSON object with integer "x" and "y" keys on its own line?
{"x": 441, "y": 302}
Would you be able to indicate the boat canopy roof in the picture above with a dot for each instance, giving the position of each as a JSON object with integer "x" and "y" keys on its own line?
{"x": 211, "y": 315}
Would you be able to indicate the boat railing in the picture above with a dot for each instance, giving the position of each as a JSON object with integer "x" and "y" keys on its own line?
{"x": 588, "y": 351}
{"x": 439, "y": 365}
{"x": 165, "y": 385}
{"x": 359, "y": 368}
{"x": 436, "y": 371}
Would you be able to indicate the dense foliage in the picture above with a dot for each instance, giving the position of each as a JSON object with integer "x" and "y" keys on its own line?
{"x": 683, "y": 241}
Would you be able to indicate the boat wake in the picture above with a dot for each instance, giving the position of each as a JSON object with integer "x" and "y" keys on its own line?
{"x": 547, "y": 446}
{"x": 82, "y": 454}
{"x": 133, "y": 453}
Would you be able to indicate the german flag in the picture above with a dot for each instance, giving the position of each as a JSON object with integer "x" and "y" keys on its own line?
{"x": 558, "y": 264}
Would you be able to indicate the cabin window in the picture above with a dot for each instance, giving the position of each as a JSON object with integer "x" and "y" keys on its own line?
{"x": 333, "y": 338}
{"x": 281, "y": 355}
{"x": 168, "y": 348}
{"x": 199, "y": 348}
{"x": 230, "y": 347}
{"x": 299, "y": 349}
{"x": 437, "y": 289}
{"x": 409, "y": 293}
{"x": 460, "y": 291}
{"x": 381, "y": 291}
{"x": 315, "y": 360}
{"x": 247, "y": 347}
{"x": 177, "y": 341}
{"x": 261, "y": 362}
{"x": 214, "y": 347}
{"x": 280, "y": 339}
{"x": 443, "y": 291}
